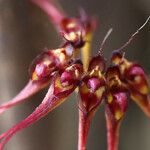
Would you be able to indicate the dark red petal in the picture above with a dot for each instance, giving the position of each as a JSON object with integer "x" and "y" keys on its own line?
{"x": 30, "y": 89}
{"x": 117, "y": 104}
{"x": 94, "y": 83}
{"x": 136, "y": 78}
{"x": 45, "y": 64}
{"x": 91, "y": 95}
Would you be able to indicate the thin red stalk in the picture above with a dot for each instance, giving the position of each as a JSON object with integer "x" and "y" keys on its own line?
{"x": 47, "y": 6}
{"x": 113, "y": 128}
{"x": 29, "y": 90}
{"x": 84, "y": 124}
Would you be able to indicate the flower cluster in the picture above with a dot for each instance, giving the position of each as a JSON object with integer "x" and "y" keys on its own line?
{"x": 93, "y": 80}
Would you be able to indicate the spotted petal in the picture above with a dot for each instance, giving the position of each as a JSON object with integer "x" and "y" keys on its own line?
{"x": 138, "y": 84}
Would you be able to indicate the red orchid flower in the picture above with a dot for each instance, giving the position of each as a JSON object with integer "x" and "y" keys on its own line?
{"x": 124, "y": 79}
{"x": 93, "y": 80}
{"x": 63, "y": 84}
{"x": 48, "y": 62}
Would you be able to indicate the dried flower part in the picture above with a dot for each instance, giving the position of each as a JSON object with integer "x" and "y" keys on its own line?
{"x": 43, "y": 67}
{"x": 57, "y": 93}
{"x": 30, "y": 89}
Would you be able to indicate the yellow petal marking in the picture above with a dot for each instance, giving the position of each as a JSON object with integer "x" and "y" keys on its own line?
{"x": 100, "y": 92}
{"x": 109, "y": 98}
{"x": 118, "y": 114}
{"x": 34, "y": 76}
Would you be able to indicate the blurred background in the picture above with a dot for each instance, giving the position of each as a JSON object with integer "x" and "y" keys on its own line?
{"x": 25, "y": 31}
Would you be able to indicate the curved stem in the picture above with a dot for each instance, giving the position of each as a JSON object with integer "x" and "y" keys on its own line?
{"x": 84, "y": 124}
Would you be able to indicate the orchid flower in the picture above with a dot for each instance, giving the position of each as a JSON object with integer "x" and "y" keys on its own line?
{"x": 75, "y": 32}
{"x": 92, "y": 79}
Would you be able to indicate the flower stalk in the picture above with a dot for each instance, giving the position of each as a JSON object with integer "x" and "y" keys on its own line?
{"x": 113, "y": 128}
{"x": 84, "y": 125}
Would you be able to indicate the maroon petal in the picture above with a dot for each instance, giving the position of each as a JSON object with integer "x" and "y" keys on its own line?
{"x": 136, "y": 78}
{"x": 138, "y": 85}
{"x": 30, "y": 89}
